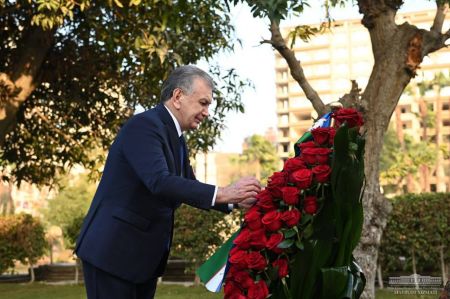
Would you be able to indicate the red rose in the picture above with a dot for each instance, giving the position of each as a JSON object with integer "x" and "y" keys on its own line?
{"x": 265, "y": 200}
{"x": 253, "y": 218}
{"x": 278, "y": 179}
{"x": 272, "y": 220}
{"x": 322, "y": 173}
{"x": 256, "y": 261}
{"x": 349, "y": 115}
{"x": 294, "y": 164}
{"x": 310, "y": 204}
{"x": 316, "y": 155}
{"x": 302, "y": 178}
{"x": 321, "y": 135}
{"x": 238, "y": 258}
{"x": 242, "y": 278}
{"x": 231, "y": 290}
{"x": 307, "y": 144}
{"x": 258, "y": 239}
{"x": 243, "y": 239}
{"x": 282, "y": 266}
{"x": 258, "y": 291}
{"x": 275, "y": 191}
{"x": 276, "y": 182}
{"x": 273, "y": 242}
{"x": 291, "y": 217}
{"x": 290, "y": 195}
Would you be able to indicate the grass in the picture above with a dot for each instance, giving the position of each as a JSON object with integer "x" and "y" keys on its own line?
{"x": 43, "y": 291}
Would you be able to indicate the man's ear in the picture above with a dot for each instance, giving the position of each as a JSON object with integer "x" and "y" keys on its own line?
{"x": 176, "y": 97}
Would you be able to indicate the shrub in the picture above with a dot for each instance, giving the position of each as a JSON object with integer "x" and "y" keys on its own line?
{"x": 22, "y": 238}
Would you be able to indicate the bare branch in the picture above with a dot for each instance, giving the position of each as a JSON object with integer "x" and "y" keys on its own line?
{"x": 433, "y": 41}
{"x": 439, "y": 18}
{"x": 296, "y": 69}
{"x": 353, "y": 98}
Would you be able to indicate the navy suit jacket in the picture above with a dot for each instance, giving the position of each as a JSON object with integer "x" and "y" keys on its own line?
{"x": 128, "y": 228}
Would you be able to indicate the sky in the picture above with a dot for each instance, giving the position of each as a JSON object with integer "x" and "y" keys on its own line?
{"x": 257, "y": 63}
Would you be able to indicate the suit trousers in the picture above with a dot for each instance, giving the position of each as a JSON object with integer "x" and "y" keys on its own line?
{"x": 102, "y": 285}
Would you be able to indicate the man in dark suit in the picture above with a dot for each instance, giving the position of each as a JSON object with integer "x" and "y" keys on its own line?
{"x": 125, "y": 238}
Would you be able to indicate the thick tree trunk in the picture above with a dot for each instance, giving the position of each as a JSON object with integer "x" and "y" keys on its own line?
{"x": 21, "y": 78}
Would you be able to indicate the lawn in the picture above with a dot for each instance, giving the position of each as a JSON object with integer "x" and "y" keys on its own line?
{"x": 42, "y": 291}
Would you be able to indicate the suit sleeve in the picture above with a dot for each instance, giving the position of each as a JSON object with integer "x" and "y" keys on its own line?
{"x": 145, "y": 148}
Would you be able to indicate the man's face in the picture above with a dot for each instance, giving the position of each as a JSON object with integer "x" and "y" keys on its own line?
{"x": 193, "y": 107}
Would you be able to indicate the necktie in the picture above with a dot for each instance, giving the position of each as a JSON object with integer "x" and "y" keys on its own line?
{"x": 183, "y": 153}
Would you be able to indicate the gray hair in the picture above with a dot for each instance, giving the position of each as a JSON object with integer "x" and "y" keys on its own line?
{"x": 183, "y": 77}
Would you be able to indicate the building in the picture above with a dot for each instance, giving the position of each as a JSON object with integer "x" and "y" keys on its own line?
{"x": 331, "y": 60}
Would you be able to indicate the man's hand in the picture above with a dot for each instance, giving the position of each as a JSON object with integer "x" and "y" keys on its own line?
{"x": 247, "y": 203}
{"x": 243, "y": 190}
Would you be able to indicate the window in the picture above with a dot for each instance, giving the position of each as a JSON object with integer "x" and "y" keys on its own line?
{"x": 285, "y": 147}
{"x": 433, "y": 188}
{"x": 446, "y": 123}
{"x": 446, "y": 106}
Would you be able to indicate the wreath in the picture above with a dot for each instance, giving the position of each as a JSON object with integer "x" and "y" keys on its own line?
{"x": 297, "y": 240}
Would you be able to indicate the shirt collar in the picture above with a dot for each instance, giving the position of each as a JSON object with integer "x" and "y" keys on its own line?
{"x": 175, "y": 121}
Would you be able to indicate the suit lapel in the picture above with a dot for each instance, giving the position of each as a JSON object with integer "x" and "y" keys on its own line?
{"x": 173, "y": 135}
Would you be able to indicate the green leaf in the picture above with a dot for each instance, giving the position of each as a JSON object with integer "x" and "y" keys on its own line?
{"x": 299, "y": 244}
{"x": 289, "y": 233}
{"x": 286, "y": 243}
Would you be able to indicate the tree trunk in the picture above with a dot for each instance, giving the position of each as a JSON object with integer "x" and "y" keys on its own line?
{"x": 401, "y": 140}
{"x": 440, "y": 174}
{"x": 443, "y": 268}
{"x": 21, "y": 78}
{"x": 32, "y": 277}
{"x": 425, "y": 170}
{"x": 380, "y": 276}
{"x": 77, "y": 272}
{"x": 416, "y": 283}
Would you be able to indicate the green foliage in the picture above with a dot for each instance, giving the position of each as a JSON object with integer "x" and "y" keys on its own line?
{"x": 198, "y": 233}
{"x": 22, "y": 238}
{"x": 396, "y": 163}
{"x": 68, "y": 208}
{"x": 418, "y": 222}
{"x": 107, "y": 58}
{"x": 259, "y": 150}
{"x": 274, "y": 9}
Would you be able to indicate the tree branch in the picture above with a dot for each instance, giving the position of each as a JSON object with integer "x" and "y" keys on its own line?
{"x": 439, "y": 18}
{"x": 52, "y": 126}
{"x": 296, "y": 69}
{"x": 19, "y": 81}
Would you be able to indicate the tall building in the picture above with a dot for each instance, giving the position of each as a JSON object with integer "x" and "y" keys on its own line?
{"x": 331, "y": 60}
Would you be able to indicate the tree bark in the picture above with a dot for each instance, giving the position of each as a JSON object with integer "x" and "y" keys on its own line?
{"x": 21, "y": 78}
